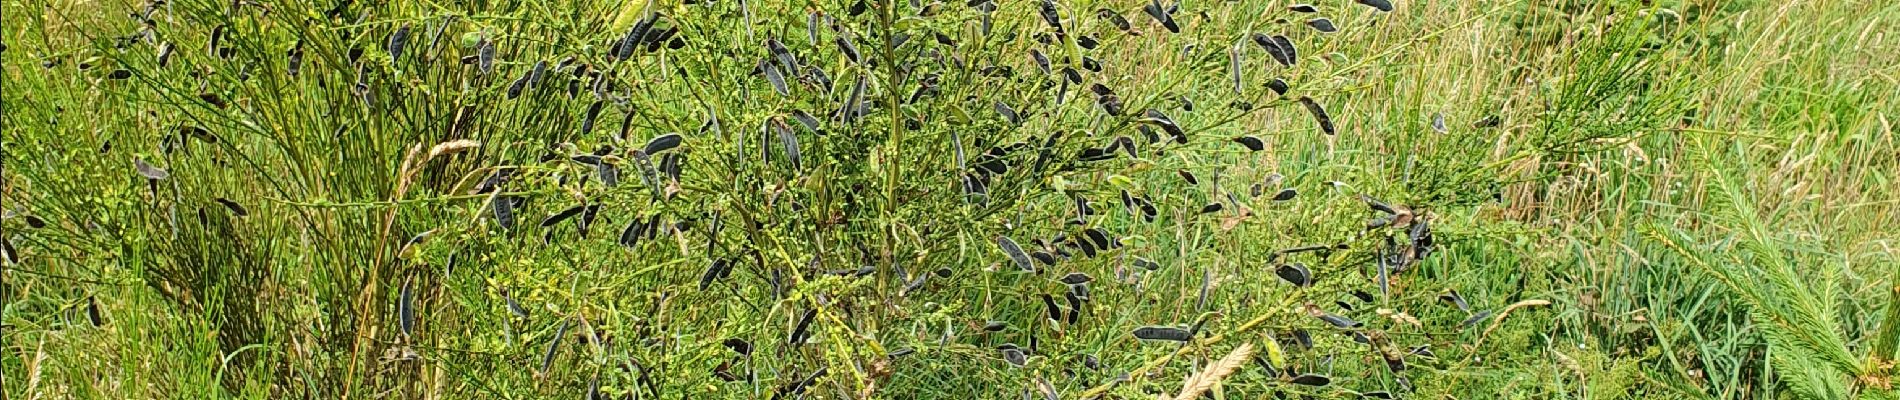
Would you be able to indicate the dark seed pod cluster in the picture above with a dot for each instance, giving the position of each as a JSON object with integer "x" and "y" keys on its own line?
{"x": 844, "y": 223}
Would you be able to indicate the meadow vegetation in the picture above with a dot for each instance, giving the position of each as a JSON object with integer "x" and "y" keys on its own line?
{"x": 949, "y": 199}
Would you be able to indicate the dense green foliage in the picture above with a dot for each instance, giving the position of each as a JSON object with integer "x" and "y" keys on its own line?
{"x": 884, "y": 199}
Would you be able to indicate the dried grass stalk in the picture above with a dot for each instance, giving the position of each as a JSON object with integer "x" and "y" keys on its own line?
{"x": 1215, "y": 372}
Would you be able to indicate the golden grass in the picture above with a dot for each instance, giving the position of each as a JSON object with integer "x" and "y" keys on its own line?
{"x": 1219, "y": 370}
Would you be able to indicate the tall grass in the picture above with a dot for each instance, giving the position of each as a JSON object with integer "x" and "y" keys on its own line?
{"x": 1701, "y": 189}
